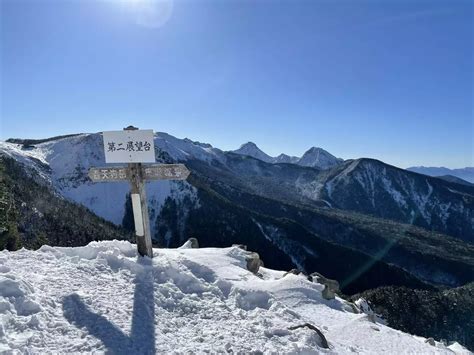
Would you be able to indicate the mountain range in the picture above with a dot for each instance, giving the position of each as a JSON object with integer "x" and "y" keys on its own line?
{"x": 466, "y": 174}
{"x": 314, "y": 157}
{"x": 375, "y": 228}
{"x": 362, "y": 222}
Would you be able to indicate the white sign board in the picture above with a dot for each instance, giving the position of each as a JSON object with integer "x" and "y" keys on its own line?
{"x": 129, "y": 146}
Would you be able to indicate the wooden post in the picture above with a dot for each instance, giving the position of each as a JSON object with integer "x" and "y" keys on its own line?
{"x": 115, "y": 152}
{"x": 140, "y": 208}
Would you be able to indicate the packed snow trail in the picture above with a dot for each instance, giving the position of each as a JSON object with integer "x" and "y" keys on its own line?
{"x": 102, "y": 298}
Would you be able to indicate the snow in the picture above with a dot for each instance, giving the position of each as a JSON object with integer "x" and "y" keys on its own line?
{"x": 275, "y": 236}
{"x": 342, "y": 178}
{"x": 423, "y": 201}
{"x": 184, "y": 149}
{"x": 318, "y": 157}
{"x": 28, "y": 157}
{"x": 284, "y": 158}
{"x": 15, "y": 151}
{"x": 314, "y": 157}
{"x": 412, "y": 198}
{"x": 63, "y": 164}
{"x": 69, "y": 160}
{"x": 311, "y": 189}
{"x": 444, "y": 212}
{"x": 101, "y": 297}
{"x": 397, "y": 196}
{"x": 252, "y": 150}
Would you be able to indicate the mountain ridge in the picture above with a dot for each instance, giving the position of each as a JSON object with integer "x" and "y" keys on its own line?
{"x": 314, "y": 157}
{"x": 466, "y": 173}
{"x": 380, "y": 189}
{"x": 282, "y": 211}
{"x": 291, "y": 210}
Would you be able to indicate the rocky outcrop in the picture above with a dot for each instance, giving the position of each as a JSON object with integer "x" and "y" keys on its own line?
{"x": 191, "y": 243}
{"x": 331, "y": 287}
{"x": 253, "y": 262}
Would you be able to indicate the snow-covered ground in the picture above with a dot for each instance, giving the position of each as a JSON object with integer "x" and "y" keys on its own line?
{"x": 101, "y": 297}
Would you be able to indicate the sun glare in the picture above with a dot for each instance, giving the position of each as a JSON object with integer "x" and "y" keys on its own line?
{"x": 152, "y": 13}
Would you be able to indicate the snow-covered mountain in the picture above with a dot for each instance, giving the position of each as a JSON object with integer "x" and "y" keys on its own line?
{"x": 283, "y": 158}
{"x": 252, "y": 150}
{"x": 289, "y": 212}
{"x": 319, "y": 158}
{"x": 294, "y": 216}
{"x": 455, "y": 179}
{"x": 103, "y": 298}
{"x": 466, "y": 174}
{"x": 375, "y": 187}
{"x": 64, "y": 164}
{"x": 390, "y": 192}
{"x": 314, "y": 157}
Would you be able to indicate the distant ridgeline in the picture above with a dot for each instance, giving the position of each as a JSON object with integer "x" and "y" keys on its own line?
{"x": 362, "y": 222}
{"x": 30, "y": 142}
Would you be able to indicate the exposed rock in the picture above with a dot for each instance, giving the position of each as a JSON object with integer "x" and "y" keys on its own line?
{"x": 324, "y": 342}
{"x": 241, "y": 246}
{"x": 372, "y": 318}
{"x": 331, "y": 286}
{"x": 351, "y": 307}
{"x": 328, "y": 294}
{"x": 253, "y": 262}
{"x": 191, "y": 243}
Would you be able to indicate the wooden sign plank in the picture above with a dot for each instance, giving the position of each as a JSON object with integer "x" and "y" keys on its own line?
{"x": 148, "y": 172}
{"x": 108, "y": 174}
{"x": 165, "y": 172}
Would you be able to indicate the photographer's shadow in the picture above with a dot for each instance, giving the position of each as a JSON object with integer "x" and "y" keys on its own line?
{"x": 142, "y": 335}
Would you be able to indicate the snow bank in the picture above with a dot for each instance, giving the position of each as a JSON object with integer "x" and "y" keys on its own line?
{"x": 101, "y": 297}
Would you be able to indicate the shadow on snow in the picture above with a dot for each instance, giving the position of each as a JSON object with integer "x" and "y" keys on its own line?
{"x": 142, "y": 335}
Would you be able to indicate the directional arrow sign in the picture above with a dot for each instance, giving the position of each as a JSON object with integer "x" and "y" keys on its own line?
{"x": 165, "y": 172}
{"x": 108, "y": 174}
{"x": 148, "y": 172}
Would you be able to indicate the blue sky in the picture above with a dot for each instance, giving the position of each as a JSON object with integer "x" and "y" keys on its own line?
{"x": 392, "y": 80}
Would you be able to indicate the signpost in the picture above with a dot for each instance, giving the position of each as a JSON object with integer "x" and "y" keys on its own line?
{"x": 129, "y": 146}
{"x": 134, "y": 147}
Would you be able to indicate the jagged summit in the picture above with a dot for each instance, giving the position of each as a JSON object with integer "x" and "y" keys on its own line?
{"x": 315, "y": 157}
{"x": 318, "y": 157}
{"x": 249, "y": 144}
{"x": 283, "y": 158}
{"x": 251, "y": 149}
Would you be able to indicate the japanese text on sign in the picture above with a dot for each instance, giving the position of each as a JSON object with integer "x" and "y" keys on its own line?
{"x": 129, "y": 146}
